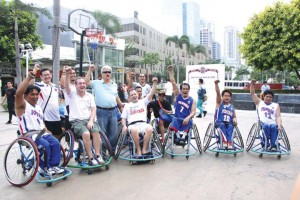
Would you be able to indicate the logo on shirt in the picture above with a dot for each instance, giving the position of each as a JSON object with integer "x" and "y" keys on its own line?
{"x": 35, "y": 113}
{"x": 133, "y": 111}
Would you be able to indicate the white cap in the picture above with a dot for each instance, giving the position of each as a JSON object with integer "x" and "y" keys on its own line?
{"x": 105, "y": 67}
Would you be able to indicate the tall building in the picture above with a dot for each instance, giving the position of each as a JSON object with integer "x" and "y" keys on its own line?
{"x": 216, "y": 51}
{"x": 231, "y": 46}
{"x": 172, "y": 12}
{"x": 191, "y": 21}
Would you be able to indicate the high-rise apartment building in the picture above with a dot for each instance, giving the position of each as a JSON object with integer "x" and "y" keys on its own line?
{"x": 216, "y": 51}
{"x": 231, "y": 44}
{"x": 191, "y": 21}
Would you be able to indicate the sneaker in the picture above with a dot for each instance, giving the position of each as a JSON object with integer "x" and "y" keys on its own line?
{"x": 9, "y": 122}
{"x": 229, "y": 146}
{"x": 99, "y": 160}
{"x": 204, "y": 113}
{"x": 50, "y": 171}
{"x": 93, "y": 162}
{"x": 225, "y": 145}
{"x": 58, "y": 170}
{"x": 199, "y": 116}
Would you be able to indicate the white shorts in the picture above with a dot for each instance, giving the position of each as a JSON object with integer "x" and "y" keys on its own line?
{"x": 141, "y": 126}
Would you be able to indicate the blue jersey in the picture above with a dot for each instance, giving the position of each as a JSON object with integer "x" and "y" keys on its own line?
{"x": 224, "y": 113}
{"x": 183, "y": 107}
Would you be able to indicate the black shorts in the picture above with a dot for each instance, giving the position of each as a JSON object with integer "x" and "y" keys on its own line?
{"x": 54, "y": 127}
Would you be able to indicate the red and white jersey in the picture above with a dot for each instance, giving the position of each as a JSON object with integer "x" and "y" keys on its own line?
{"x": 267, "y": 113}
{"x": 32, "y": 119}
{"x": 136, "y": 111}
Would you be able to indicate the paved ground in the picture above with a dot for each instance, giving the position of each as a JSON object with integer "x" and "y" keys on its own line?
{"x": 245, "y": 177}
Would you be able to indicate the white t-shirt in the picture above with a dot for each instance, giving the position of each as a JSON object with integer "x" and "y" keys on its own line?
{"x": 265, "y": 87}
{"x": 168, "y": 88}
{"x": 267, "y": 113}
{"x": 80, "y": 107}
{"x": 52, "y": 108}
{"x": 136, "y": 111}
{"x": 66, "y": 96}
{"x": 146, "y": 89}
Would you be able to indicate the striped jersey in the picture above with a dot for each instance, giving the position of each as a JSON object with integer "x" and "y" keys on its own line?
{"x": 183, "y": 106}
{"x": 224, "y": 113}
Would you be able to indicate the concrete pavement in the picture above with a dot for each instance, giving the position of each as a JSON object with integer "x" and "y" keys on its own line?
{"x": 245, "y": 177}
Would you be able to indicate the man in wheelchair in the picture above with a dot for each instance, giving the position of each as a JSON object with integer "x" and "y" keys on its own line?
{"x": 161, "y": 110}
{"x": 185, "y": 109}
{"x": 134, "y": 113}
{"x": 225, "y": 115}
{"x": 30, "y": 116}
{"x": 82, "y": 117}
{"x": 269, "y": 117}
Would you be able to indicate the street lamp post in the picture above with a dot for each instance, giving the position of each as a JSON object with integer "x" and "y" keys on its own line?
{"x": 26, "y": 50}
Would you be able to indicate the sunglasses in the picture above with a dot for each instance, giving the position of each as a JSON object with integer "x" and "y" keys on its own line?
{"x": 106, "y": 72}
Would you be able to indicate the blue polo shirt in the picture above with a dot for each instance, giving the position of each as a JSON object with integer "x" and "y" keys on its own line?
{"x": 105, "y": 93}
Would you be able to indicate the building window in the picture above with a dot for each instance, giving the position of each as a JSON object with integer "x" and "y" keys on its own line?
{"x": 144, "y": 31}
{"x": 141, "y": 29}
{"x": 182, "y": 54}
{"x": 143, "y": 42}
{"x": 150, "y": 34}
{"x": 136, "y": 27}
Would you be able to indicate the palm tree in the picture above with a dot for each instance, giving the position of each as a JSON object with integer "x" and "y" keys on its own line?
{"x": 17, "y": 7}
{"x": 109, "y": 22}
{"x": 228, "y": 71}
{"x": 184, "y": 39}
{"x": 196, "y": 49}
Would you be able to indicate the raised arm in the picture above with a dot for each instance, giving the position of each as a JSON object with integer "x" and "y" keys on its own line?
{"x": 153, "y": 89}
{"x": 129, "y": 80}
{"x": 252, "y": 92}
{"x": 172, "y": 80}
{"x": 68, "y": 71}
{"x": 20, "y": 104}
{"x": 218, "y": 98}
{"x": 62, "y": 78}
{"x": 34, "y": 71}
{"x": 87, "y": 78}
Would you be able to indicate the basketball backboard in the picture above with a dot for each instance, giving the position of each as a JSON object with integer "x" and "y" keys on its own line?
{"x": 79, "y": 20}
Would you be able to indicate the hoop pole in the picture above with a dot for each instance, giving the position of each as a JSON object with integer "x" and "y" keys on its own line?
{"x": 81, "y": 52}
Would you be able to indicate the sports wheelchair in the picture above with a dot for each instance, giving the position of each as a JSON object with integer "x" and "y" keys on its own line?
{"x": 256, "y": 139}
{"x": 22, "y": 158}
{"x": 183, "y": 139}
{"x": 155, "y": 125}
{"x": 125, "y": 149}
{"x": 74, "y": 147}
{"x": 216, "y": 145}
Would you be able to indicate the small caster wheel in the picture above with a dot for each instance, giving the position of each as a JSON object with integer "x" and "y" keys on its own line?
{"x": 49, "y": 184}
{"x": 234, "y": 154}
{"x": 65, "y": 178}
{"x": 187, "y": 157}
{"x": 260, "y": 155}
{"x": 172, "y": 156}
{"x": 90, "y": 172}
{"x": 217, "y": 154}
{"x": 131, "y": 162}
{"x": 106, "y": 167}
{"x": 279, "y": 157}
{"x": 153, "y": 161}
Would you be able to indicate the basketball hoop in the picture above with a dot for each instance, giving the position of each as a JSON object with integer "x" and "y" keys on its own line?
{"x": 92, "y": 35}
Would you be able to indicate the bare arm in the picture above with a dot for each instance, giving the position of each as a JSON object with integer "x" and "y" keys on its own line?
{"x": 34, "y": 71}
{"x": 255, "y": 99}
{"x": 172, "y": 80}
{"x": 120, "y": 104}
{"x": 234, "y": 118}
{"x": 62, "y": 78}
{"x": 129, "y": 79}
{"x": 87, "y": 77}
{"x": 20, "y": 104}
{"x": 4, "y": 99}
{"x": 191, "y": 115}
{"x": 67, "y": 80}
{"x": 153, "y": 89}
{"x": 218, "y": 98}
{"x": 278, "y": 118}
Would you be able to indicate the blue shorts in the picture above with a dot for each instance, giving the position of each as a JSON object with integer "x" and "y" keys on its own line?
{"x": 177, "y": 125}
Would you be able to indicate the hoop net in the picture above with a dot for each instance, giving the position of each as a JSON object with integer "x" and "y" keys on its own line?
{"x": 92, "y": 37}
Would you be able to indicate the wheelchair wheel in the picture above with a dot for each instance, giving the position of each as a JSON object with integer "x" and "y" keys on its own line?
{"x": 21, "y": 162}
{"x": 157, "y": 141}
{"x": 197, "y": 138}
{"x": 285, "y": 139}
{"x": 239, "y": 138}
{"x": 63, "y": 158}
{"x": 119, "y": 146}
{"x": 67, "y": 142}
{"x": 168, "y": 134}
{"x": 208, "y": 136}
{"x": 106, "y": 145}
{"x": 252, "y": 135}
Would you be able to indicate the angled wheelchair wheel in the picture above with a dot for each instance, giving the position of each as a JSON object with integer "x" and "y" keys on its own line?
{"x": 168, "y": 134}
{"x": 21, "y": 162}
{"x": 238, "y": 137}
{"x": 252, "y": 135}
{"x": 63, "y": 158}
{"x": 157, "y": 141}
{"x": 67, "y": 142}
{"x": 120, "y": 144}
{"x": 197, "y": 138}
{"x": 106, "y": 146}
{"x": 285, "y": 139}
{"x": 208, "y": 135}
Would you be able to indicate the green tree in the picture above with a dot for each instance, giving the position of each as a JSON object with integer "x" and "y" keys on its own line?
{"x": 184, "y": 39}
{"x": 272, "y": 37}
{"x": 241, "y": 73}
{"x": 228, "y": 72}
{"x": 196, "y": 49}
{"x": 107, "y": 21}
{"x": 13, "y": 14}
{"x": 151, "y": 59}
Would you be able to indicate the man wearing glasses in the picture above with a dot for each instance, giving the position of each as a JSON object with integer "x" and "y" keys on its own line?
{"x": 106, "y": 98}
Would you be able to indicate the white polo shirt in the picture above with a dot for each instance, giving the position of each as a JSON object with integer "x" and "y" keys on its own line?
{"x": 80, "y": 107}
{"x": 52, "y": 108}
{"x": 168, "y": 88}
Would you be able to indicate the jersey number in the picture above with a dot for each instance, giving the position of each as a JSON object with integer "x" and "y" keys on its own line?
{"x": 268, "y": 115}
{"x": 226, "y": 118}
{"x": 181, "y": 108}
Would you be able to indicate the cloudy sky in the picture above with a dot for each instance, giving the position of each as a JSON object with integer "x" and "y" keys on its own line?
{"x": 222, "y": 12}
